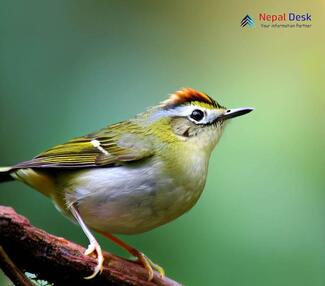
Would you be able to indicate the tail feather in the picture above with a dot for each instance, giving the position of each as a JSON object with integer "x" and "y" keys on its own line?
{"x": 5, "y": 174}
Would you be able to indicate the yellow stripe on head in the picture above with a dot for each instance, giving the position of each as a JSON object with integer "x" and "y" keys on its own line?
{"x": 190, "y": 96}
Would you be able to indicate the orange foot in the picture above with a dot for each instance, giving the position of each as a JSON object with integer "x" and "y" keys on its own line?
{"x": 144, "y": 260}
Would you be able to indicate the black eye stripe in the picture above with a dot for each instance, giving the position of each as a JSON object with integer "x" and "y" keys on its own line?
{"x": 197, "y": 114}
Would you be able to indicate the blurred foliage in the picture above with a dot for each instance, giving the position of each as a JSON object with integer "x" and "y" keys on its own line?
{"x": 71, "y": 67}
{"x": 37, "y": 282}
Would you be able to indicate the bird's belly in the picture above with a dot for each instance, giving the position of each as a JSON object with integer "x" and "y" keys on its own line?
{"x": 130, "y": 199}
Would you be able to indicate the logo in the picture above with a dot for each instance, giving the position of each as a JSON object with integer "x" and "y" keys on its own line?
{"x": 284, "y": 17}
{"x": 247, "y": 21}
{"x": 279, "y": 20}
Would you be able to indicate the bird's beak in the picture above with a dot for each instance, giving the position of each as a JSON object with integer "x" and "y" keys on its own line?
{"x": 231, "y": 113}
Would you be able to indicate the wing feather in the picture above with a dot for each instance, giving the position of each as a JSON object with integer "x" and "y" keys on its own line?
{"x": 113, "y": 145}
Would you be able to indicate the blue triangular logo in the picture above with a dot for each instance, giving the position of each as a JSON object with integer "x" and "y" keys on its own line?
{"x": 247, "y": 21}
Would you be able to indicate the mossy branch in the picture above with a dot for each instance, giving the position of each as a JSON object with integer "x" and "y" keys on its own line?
{"x": 60, "y": 261}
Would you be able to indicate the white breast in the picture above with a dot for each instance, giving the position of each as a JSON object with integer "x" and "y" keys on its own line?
{"x": 134, "y": 198}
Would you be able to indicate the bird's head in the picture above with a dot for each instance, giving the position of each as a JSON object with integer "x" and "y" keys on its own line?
{"x": 193, "y": 117}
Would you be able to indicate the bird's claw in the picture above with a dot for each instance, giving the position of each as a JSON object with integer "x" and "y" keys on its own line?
{"x": 91, "y": 248}
{"x": 95, "y": 247}
{"x": 150, "y": 266}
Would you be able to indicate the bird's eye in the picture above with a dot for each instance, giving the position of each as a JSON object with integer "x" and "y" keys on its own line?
{"x": 197, "y": 114}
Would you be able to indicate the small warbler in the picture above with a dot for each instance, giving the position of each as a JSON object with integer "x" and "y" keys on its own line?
{"x": 132, "y": 176}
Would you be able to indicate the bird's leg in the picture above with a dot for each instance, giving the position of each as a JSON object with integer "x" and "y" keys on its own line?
{"x": 93, "y": 244}
{"x": 144, "y": 260}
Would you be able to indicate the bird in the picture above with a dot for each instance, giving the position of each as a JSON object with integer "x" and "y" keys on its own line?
{"x": 133, "y": 176}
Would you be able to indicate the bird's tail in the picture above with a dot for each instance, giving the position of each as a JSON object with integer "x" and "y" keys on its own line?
{"x": 5, "y": 174}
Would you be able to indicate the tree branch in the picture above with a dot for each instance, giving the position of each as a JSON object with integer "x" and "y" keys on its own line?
{"x": 12, "y": 271}
{"x": 61, "y": 261}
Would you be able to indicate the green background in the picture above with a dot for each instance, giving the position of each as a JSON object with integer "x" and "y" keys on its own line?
{"x": 70, "y": 67}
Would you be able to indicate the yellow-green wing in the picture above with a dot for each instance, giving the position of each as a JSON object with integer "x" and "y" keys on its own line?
{"x": 110, "y": 146}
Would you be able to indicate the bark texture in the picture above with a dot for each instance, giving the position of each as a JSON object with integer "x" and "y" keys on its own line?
{"x": 60, "y": 261}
